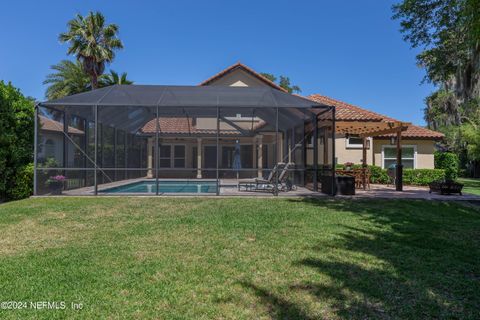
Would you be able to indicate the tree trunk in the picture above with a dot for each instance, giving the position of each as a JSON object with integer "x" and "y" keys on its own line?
{"x": 94, "y": 81}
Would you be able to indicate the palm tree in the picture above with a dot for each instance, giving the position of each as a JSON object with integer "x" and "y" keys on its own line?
{"x": 92, "y": 42}
{"x": 114, "y": 78}
{"x": 68, "y": 78}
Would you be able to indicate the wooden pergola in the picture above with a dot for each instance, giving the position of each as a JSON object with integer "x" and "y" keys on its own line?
{"x": 365, "y": 129}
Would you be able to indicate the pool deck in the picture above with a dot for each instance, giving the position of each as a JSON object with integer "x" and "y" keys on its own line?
{"x": 228, "y": 188}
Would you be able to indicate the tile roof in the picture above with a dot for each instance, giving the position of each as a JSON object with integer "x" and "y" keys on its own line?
{"x": 48, "y": 124}
{"x": 240, "y": 65}
{"x": 348, "y": 112}
{"x": 176, "y": 125}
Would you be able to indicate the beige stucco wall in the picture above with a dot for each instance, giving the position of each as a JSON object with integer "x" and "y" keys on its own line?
{"x": 211, "y": 123}
{"x": 347, "y": 154}
{"x": 424, "y": 152}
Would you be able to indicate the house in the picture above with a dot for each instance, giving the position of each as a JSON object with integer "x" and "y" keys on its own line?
{"x": 418, "y": 143}
{"x": 236, "y": 124}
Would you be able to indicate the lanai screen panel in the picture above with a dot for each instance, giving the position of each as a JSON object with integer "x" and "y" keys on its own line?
{"x": 65, "y": 148}
{"x": 122, "y": 149}
{"x": 247, "y": 143}
{"x": 325, "y": 159}
{"x": 160, "y": 134}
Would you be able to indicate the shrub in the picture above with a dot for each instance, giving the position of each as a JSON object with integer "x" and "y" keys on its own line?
{"x": 449, "y": 162}
{"x": 378, "y": 175}
{"x": 422, "y": 177}
{"x": 418, "y": 177}
{"x": 23, "y": 183}
{"x": 16, "y": 138}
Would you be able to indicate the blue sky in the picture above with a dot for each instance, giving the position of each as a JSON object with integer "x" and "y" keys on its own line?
{"x": 348, "y": 50}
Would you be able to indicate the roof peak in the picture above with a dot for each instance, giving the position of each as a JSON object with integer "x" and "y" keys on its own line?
{"x": 240, "y": 65}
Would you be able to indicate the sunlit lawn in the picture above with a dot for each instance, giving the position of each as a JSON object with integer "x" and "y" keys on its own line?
{"x": 241, "y": 258}
{"x": 471, "y": 185}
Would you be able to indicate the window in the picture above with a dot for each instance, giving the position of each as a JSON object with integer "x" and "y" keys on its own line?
{"x": 49, "y": 149}
{"x": 169, "y": 159}
{"x": 390, "y": 156}
{"x": 356, "y": 142}
{"x": 246, "y": 156}
{"x": 265, "y": 156}
{"x": 165, "y": 156}
{"x": 179, "y": 157}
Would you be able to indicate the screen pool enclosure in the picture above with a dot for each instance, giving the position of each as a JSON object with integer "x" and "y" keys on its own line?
{"x": 140, "y": 139}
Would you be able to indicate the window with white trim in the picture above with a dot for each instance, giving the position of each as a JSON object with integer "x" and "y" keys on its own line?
{"x": 355, "y": 142}
{"x": 409, "y": 154}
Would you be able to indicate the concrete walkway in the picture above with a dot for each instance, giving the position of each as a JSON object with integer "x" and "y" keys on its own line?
{"x": 409, "y": 192}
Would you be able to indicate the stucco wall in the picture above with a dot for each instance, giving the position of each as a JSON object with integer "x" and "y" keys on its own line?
{"x": 347, "y": 154}
{"x": 424, "y": 152}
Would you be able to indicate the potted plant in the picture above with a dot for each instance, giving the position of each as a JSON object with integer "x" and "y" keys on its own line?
{"x": 55, "y": 184}
{"x": 348, "y": 166}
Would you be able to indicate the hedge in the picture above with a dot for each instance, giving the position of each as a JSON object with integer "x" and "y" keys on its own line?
{"x": 23, "y": 183}
{"x": 422, "y": 177}
{"x": 418, "y": 177}
{"x": 449, "y": 162}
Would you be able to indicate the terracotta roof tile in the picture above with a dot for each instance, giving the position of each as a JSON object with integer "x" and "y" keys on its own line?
{"x": 55, "y": 126}
{"x": 414, "y": 131}
{"x": 348, "y": 112}
{"x": 175, "y": 125}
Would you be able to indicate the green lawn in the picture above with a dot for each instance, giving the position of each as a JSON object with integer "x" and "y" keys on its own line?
{"x": 471, "y": 185}
{"x": 241, "y": 258}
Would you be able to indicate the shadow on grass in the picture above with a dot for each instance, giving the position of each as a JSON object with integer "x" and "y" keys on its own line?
{"x": 406, "y": 259}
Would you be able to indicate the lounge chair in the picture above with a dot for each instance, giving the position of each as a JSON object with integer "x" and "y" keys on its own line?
{"x": 267, "y": 183}
{"x": 284, "y": 184}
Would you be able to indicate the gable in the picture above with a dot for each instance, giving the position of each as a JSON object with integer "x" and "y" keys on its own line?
{"x": 238, "y": 78}
{"x": 239, "y": 75}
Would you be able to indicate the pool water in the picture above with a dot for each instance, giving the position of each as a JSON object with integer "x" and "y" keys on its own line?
{"x": 179, "y": 186}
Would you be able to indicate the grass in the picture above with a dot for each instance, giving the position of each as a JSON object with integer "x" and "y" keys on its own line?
{"x": 470, "y": 185}
{"x": 240, "y": 258}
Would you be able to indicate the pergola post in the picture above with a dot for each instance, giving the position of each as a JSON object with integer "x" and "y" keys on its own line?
{"x": 157, "y": 154}
{"x": 364, "y": 163}
{"x": 399, "y": 166}
{"x": 334, "y": 184}
{"x": 315, "y": 153}
{"x": 217, "y": 149}
{"x": 275, "y": 189}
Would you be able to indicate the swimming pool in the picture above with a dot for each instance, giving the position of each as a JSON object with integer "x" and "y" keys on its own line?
{"x": 165, "y": 186}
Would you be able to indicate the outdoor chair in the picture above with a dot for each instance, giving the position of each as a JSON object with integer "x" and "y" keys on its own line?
{"x": 255, "y": 184}
{"x": 284, "y": 184}
{"x": 391, "y": 173}
{"x": 358, "y": 174}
